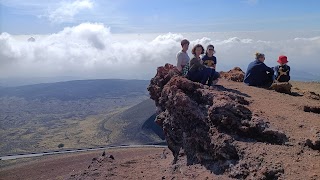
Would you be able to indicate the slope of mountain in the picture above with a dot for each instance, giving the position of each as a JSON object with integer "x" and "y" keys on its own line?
{"x": 139, "y": 126}
{"x": 283, "y": 112}
{"x": 78, "y": 114}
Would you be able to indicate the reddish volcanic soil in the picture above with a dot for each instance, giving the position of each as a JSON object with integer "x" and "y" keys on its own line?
{"x": 284, "y": 112}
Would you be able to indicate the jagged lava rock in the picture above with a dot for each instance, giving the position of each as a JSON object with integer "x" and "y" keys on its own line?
{"x": 282, "y": 87}
{"x": 235, "y": 74}
{"x": 204, "y": 122}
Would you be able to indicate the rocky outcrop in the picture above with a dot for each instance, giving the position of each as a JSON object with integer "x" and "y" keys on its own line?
{"x": 311, "y": 95}
{"x": 313, "y": 109}
{"x": 235, "y": 74}
{"x": 204, "y": 123}
{"x": 31, "y": 39}
{"x": 282, "y": 87}
{"x": 314, "y": 143}
{"x": 94, "y": 169}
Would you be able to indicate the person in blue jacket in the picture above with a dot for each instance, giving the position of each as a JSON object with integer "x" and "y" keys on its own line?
{"x": 259, "y": 74}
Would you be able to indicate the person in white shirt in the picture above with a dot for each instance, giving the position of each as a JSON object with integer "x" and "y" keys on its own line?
{"x": 183, "y": 58}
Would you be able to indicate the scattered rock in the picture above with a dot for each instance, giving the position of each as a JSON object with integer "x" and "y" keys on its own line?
{"x": 282, "y": 87}
{"x": 236, "y": 74}
{"x": 313, "y": 109}
{"x": 314, "y": 143}
{"x": 163, "y": 155}
{"x": 104, "y": 153}
{"x": 311, "y": 95}
{"x": 111, "y": 157}
{"x": 92, "y": 172}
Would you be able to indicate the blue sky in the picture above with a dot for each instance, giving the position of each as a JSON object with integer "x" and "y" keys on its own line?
{"x": 144, "y": 16}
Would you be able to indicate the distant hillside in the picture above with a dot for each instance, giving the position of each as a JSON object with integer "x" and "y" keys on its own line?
{"x": 39, "y": 117}
{"x": 140, "y": 127}
{"x": 80, "y": 89}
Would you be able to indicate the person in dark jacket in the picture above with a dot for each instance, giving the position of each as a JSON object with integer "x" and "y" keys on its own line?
{"x": 282, "y": 70}
{"x": 259, "y": 74}
{"x": 198, "y": 72}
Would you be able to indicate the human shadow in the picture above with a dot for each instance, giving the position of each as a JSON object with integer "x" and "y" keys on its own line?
{"x": 222, "y": 88}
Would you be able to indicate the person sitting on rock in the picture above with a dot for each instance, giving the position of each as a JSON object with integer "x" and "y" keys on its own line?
{"x": 198, "y": 72}
{"x": 211, "y": 61}
{"x": 183, "y": 58}
{"x": 259, "y": 74}
{"x": 282, "y": 71}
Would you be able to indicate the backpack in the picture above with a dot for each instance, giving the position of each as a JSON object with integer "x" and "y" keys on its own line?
{"x": 283, "y": 74}
{"x": 185, "y": 69}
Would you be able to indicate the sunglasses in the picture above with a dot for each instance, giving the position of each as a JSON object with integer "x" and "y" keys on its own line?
{"x": 210, "y": 49}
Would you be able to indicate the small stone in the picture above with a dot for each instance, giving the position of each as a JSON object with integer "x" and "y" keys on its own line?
{"x": 111, "y": 157}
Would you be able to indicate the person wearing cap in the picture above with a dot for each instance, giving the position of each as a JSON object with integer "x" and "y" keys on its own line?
{"x": 210, "y": 61}
{"x": 259, "y": 74}
{"x": 183, "y": 58}
{"x": 282, "y": 71}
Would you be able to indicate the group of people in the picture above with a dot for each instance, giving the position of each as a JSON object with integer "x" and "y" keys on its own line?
{"x": 202, "y": 67}
{"x": 259, "y": 74}
{"x": 198, "y": 69}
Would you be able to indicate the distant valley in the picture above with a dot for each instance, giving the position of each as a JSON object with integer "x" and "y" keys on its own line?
{"x": 77, "y": 114}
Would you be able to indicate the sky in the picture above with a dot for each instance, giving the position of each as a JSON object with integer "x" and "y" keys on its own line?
{"x": 127, "y": 39}
{"x": 141, "y": 16}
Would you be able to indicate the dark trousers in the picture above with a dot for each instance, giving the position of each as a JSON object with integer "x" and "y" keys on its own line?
{"x": 268, "y": 82}
{"x": 201, "y": 76}
{"x": 213, "y": 76}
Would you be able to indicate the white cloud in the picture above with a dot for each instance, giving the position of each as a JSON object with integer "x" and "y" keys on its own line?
{"x": 67, "y": 10}
{"x": 89, "y": 50}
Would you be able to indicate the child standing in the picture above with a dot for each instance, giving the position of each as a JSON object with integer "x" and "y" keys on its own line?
{"x": 282, "y": 71}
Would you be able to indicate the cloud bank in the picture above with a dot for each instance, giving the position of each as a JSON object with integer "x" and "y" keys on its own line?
{"x": 90, "y": 50}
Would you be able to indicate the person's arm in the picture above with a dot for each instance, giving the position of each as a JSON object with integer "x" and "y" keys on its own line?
{"x": 276, "y": 70}
{"x": 215, "y": 62}
{"x": 179, "y": 62}
{"x": 268, "y": 69}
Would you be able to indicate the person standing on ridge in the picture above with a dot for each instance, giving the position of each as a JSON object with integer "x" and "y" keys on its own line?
{"x": 211, "y": 61}
{"x": 259, "y": 74}
{"x": 183, "y": 57}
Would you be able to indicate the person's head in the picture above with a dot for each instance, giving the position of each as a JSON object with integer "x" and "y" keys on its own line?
{"x": 260, "y": 57}
{"x": 282, "y": 60}
{"x": 185, "y": 45}
{"x": 210, "y": 50}
{"x": 197, "y": 50}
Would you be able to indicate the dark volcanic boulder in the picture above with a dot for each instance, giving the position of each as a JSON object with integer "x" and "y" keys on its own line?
{"x": 282, "y": 87}
{"x": 235, "y": 74}
{"x": 204, "y": 122}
